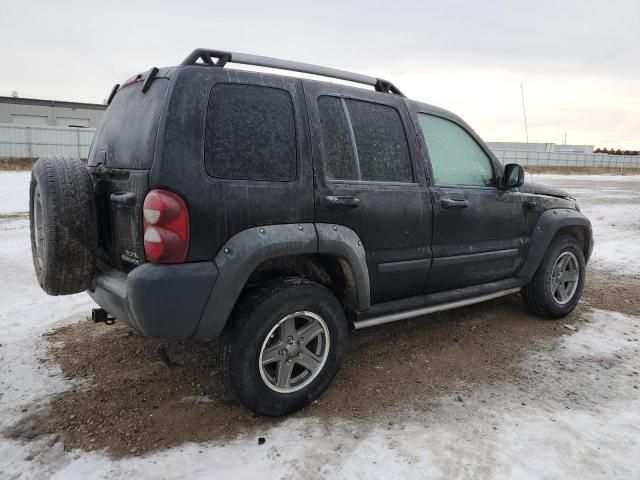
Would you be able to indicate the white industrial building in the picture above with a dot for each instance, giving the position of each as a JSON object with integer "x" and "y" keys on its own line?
{"x": 53, "y": 113}
{"x": 540, "y": 147}
{"x": 31, "y": 128}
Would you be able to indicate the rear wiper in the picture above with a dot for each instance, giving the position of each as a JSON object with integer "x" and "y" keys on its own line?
{"x": 145, "y": 86}
{"x": 114, "y": 90}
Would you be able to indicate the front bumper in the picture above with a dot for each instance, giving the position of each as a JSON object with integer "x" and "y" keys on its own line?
{"x": 162, "y": 301}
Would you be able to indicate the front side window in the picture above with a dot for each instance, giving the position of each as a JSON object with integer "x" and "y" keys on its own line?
{"x": 363, "y": 141}
{"x": 250, "y": 133}
{"x": 456, "y": 158}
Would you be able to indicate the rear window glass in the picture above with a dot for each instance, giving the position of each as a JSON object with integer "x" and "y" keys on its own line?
{"x": 127, "y": 133}
{"x": 250, "y": 133}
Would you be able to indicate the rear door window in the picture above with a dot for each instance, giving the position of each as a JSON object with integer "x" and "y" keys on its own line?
{"x": 339, "y": 150}
{"x": 456, "y": 158}
{"x": 250, "y": 133}
{"x": 363, "y": 141}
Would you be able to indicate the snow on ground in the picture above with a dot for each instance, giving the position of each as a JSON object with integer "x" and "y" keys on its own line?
{"x": 14, "y": 192}
{"x": 580, "y": 420}
{"x": 25, "y": 313}
{"x": 612, "y": 203}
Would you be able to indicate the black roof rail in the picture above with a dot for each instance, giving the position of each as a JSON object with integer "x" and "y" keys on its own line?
{"x": 222, "y": 58}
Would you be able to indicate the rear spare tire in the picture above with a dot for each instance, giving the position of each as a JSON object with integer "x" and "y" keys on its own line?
{"x": 64, "y": 226}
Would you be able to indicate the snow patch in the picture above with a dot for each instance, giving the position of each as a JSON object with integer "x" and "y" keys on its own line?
{"x": 14, "y": 192}
{"x": 612, "y": 203}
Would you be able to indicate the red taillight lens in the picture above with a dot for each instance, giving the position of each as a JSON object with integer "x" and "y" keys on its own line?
{"x": 166, "y": 227}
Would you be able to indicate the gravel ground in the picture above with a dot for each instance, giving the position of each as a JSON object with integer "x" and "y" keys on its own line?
{"x": 142, "y": 394}
{"x": 487, "y": 391}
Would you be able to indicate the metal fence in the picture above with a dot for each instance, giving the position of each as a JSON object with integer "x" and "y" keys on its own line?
{"x": 567, "y": 160}
{"x": 26, "y": 141}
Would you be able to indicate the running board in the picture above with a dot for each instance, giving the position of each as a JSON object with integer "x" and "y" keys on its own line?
{"x": 393, "y": 317}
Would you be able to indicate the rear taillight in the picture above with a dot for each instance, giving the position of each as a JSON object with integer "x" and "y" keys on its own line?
{"x": 166, "y": 227}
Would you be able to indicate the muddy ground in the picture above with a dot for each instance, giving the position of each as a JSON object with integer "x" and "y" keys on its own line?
{"x": 134, "y": 394}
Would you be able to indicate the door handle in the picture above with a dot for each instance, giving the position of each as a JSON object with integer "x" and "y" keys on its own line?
{"x": 454, "y": 203}
{"x": 341, "y": 201}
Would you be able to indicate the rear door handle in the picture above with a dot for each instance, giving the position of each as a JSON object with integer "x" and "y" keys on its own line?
{"x": 341, "y": 201}
{"x": 454, "y": 203}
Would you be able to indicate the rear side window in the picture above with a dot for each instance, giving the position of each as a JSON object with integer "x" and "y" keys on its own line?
{"x": 250, "y": 133}
{"x": 456, "y": 158}
{"x": 338, "y": 148}
{"x": 363, "y": 141}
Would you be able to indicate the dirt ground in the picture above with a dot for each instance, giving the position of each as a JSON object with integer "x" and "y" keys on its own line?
{"x": 12, "y": 164}
{"x": 134, "y": 394}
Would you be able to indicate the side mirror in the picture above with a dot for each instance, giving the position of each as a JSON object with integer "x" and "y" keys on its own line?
{"x": 513, "y": 175}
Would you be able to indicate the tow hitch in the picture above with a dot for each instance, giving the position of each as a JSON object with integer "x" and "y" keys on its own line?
{"x": 101, "y": 315}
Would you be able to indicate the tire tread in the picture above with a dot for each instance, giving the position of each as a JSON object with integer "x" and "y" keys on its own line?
{"x": 241, "y": 333}
{"x": 71, "y": 233}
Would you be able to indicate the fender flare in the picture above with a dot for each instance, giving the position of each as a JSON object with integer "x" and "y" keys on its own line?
{"x": 247, "y": 249}
{"x": 545, "y": 230}
{"x": 344, "y": 243}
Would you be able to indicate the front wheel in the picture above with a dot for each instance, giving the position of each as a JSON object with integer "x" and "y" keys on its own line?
{"x": 557, "y": 286}
{"x": 283, "y": 346}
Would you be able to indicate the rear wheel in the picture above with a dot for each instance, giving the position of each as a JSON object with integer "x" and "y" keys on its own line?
{"x": 283, "y": 346}
{"x": 557, "y": 286}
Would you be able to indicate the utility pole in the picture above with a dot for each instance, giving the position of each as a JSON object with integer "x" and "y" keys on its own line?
{"x": 524, "y": 113}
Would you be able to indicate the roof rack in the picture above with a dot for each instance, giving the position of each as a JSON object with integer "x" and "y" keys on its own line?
{"x": 222, "y": 58}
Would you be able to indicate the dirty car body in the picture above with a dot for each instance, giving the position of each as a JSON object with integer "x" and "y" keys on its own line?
{"x": 396, "y": 207}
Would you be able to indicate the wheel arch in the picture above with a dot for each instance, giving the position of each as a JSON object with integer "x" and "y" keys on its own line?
{"x": 331, "y": 255}
{"x": 552, "y": 224}
{"x": 581, "y": 233}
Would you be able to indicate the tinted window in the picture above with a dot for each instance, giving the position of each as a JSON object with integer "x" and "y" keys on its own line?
{"x": 381, "y": 143}
{"x": 338, "y": 150}
{"x": 381, "y": 152}
{"x": 456, "y": 158}
{"x": 250, "y": 133}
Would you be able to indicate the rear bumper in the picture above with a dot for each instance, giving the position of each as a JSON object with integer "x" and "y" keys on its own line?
{"x": 162, "y": 301}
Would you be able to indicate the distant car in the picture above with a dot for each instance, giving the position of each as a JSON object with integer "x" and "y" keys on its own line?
{"x": 274, "y": 212}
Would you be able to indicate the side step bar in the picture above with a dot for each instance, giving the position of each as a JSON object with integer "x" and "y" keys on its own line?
{"x": 393, "y": 317}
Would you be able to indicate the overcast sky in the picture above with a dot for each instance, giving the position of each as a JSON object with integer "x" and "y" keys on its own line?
{"x": 579, "y": 59}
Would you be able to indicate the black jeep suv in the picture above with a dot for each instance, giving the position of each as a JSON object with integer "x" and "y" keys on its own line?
{"x": 275, "y": 212}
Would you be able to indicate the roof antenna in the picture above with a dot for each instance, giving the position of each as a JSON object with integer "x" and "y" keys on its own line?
{"x": 526, "y": 131}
